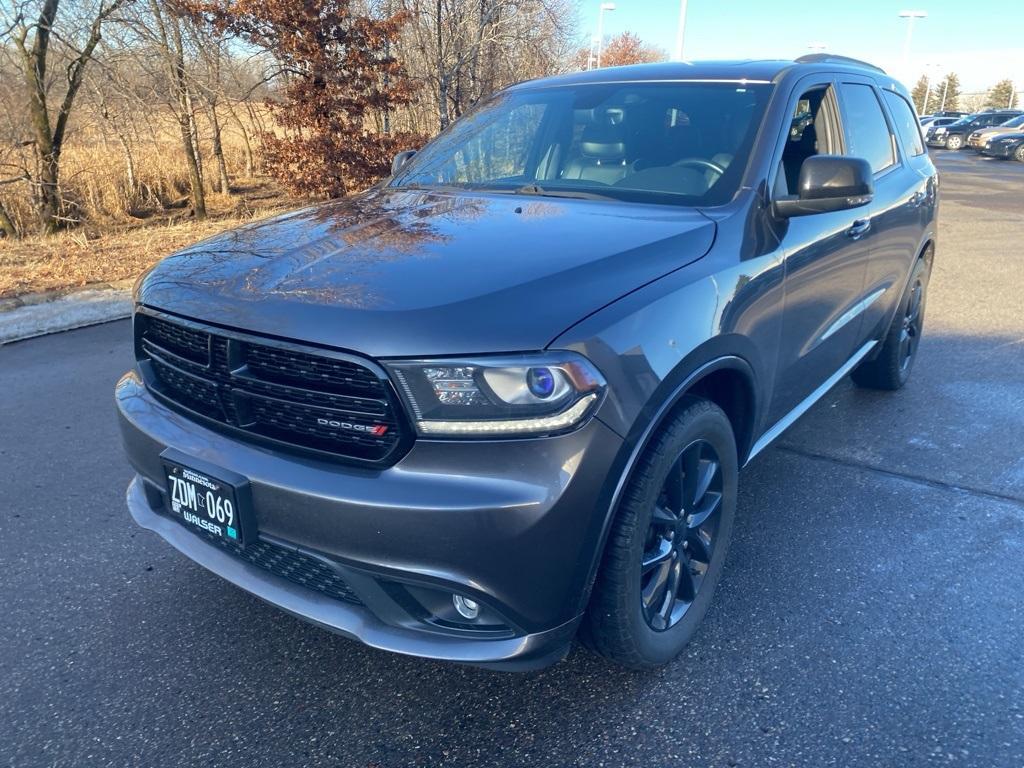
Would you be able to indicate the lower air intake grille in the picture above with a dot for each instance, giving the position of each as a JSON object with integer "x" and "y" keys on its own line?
{"x": 296, "y": 566}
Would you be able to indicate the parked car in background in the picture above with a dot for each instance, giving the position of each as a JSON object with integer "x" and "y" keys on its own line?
{"x": 954, "y": 136}
{"x": 928, "y": 119}
{"x": 982, "y": 136}
{"x": 937, "y": 121}
{"x": 1006, "y": 146}
{"x": 505, "y": 395}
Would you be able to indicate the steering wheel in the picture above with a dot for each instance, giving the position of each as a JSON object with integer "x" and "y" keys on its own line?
{"x": 698, "y": 162}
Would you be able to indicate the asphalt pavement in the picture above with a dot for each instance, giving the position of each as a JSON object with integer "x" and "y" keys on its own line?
{"x": 870, "y": 613}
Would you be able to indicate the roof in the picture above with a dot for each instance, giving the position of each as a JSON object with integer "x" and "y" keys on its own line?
{"x": 765, "y": 71}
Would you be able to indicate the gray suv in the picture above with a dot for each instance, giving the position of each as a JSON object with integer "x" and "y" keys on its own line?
{"x": 501, "y": 399}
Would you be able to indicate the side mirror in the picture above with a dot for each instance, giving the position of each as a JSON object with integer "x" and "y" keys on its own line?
{"x": 400, "y": 160}
{"x": 829, "y": 183}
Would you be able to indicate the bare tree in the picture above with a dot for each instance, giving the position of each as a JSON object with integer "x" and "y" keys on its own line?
{"x": 31, "y": 35}
{"x": 209, "y": 44}
{"x": 159, "y": 27}
{"x": 464, "y": 49}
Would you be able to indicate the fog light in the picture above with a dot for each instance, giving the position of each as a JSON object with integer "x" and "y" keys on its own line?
{"x": 468, "y": 609}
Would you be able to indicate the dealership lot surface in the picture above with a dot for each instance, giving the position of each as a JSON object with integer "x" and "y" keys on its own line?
{"x": 870, "y": 613}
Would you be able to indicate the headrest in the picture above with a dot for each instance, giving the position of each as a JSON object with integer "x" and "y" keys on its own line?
{"x": 603, "y": 142}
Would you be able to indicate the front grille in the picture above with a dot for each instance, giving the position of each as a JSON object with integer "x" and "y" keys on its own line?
{"x": 296, "y": 566}
{"x": 309, "y": 400}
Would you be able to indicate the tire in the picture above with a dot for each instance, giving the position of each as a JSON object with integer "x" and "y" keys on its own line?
{"x": 1018, "y": 153}
{"x": 954, "y": 142}
{"x": 626, "y": 621}
{"x": 891, "y": 368}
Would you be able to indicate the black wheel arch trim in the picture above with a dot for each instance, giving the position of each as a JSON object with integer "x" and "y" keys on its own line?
{"x": 677, "y": 385}
{"x": 925, "y": 252}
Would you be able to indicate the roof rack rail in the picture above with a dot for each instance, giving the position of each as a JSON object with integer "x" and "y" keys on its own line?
{"x": 831, "y": 58}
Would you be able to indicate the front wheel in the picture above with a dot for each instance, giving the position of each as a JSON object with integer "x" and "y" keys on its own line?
{"x": 667, "y": 546}
{"x": 954, "y": 142}
{"x": 1018, "y": 154}
{"x": 891, "y": 368}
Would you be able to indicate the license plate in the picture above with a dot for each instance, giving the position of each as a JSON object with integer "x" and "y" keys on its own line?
{"x": 205, "y": 500}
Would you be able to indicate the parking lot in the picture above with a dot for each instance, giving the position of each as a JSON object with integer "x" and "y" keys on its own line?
{"x": 870, "y": 613}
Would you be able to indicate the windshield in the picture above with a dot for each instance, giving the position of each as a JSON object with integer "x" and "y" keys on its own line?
{"x": 676, "y": 142}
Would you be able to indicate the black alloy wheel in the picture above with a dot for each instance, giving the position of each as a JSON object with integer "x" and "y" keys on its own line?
{"x": 668, "y": 541}
{"x": 890, "y": 367}
{"x": 910, "y": 330}
{"x": 681, "y": 536}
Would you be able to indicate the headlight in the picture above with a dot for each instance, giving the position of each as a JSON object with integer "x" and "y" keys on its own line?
{"x": 939, "y": 131}
{"x": 518, "y": 395}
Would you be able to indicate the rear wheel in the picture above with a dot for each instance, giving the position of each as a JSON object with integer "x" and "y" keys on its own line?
{"x": 954, "y": 142}
{"x": 668, "y": 542}
{"x": 891, "y": 368}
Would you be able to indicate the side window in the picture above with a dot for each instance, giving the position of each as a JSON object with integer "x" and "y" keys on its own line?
{"x": 907, "y": 126}
{"x": 867, "y": 133}
{"x": 810, "y": 133}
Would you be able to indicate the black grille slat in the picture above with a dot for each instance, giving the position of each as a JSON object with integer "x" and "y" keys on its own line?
{"x": 354, "y": 405}
{"x": 277, "y": 417}
{"x": 298, "y": 567}
{"x": 184, "y": 342}
{"x": 306, "y": 370}
{"x": 318, "y": 402}
{"x": 192, "y": 392}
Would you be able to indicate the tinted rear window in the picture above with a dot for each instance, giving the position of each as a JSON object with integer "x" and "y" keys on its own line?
{"x": 907, "y": 127}
{"x": 867, "y": 133}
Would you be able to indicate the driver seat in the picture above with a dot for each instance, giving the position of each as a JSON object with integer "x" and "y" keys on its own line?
{"x": 602, "y": 156}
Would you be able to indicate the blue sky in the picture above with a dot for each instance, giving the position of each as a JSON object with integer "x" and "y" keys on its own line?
{"x": 982, "y": 42}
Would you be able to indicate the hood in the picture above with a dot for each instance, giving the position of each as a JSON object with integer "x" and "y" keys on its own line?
{"x": 412, "y": 273}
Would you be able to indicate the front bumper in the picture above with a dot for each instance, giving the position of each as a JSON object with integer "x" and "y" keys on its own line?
{"x": 999, "y": 150}
{"x": 936, "y": 141}
{"x": 514, "y": 525}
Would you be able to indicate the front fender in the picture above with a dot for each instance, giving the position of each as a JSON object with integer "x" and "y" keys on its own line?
{"x": 654, "y": 345}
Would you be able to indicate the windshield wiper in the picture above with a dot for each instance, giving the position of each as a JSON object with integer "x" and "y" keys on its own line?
{"x": 534, "y": 189}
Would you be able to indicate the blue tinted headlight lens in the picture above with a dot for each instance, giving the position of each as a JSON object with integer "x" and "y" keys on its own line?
{"x": 541, "y": 382}
{"x": 526, "y": 394}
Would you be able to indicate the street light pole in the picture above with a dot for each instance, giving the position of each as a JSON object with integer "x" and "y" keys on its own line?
{"x": 911, "y": 17}
{"x": 600, "y": 28}
{"x": 677, "y": 55}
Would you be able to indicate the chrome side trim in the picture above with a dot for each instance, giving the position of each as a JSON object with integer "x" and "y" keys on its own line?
{"x": 786, "y": 421}
{"x": 853, "y": 312}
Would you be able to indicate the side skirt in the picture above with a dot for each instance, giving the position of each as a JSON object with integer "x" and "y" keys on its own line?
{"x": 802, "y": 407}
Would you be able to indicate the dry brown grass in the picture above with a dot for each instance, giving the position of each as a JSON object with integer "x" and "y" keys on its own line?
{"x": 95, "y": 173}
{"x": 95, "y": 254}
{"x": 117, "y": 229}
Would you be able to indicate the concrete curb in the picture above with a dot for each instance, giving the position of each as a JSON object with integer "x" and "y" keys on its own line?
{"x": 39, "y": 314}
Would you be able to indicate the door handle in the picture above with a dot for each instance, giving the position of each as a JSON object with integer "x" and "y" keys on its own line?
{"x": 859, "y": 228}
